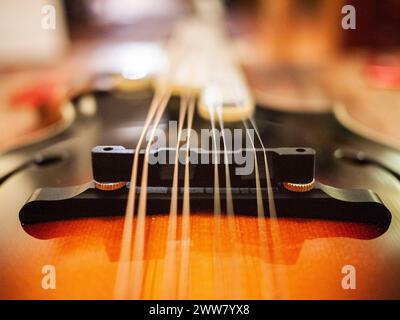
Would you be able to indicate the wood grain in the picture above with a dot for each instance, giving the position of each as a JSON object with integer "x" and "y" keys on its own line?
{"x": 307, "y": 264}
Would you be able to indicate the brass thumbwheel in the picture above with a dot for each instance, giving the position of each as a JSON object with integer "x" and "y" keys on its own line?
{"x": 111, "y": 186}
{"x": 299, "y": 187}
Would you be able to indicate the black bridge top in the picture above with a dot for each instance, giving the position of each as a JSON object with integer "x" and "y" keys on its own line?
{"x": 295, "y": 165}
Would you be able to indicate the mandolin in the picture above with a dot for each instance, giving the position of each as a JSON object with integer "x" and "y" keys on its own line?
{"x": 176, "y": 184}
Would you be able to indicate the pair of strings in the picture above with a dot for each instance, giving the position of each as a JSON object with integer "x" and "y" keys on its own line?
{"x": 275, "y": 232}
{"x": 184, "y": 276}
{"x": 235, "y": 276}
{"x": 170, "y": 262}
{"x": 171, "y": 288}
{"x": 261, "y": 221}
{"x": 121, "y": 284}
{"x": 124, "y": 272}
{"x": 137, "y": 264}
{"x": 267, "y": 279}
{"x": 219, "y": 277}
{"x": 237, "y": 256}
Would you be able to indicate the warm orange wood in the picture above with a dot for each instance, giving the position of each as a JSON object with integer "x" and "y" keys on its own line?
{"x": 303, "y": 261}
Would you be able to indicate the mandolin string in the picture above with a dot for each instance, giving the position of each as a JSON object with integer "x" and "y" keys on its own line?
{"x": 185, "y": 229}
{"x": 219, "y": 277}
{"x": 229, "y": 201}
{"x": 262, "y": 228}
{"x": 280, "y": 273}
{"x": 136, "y": 272}
{"x": 236, "y": 257}
{"x": 170, "y": 261}
{"x": 121, "y": 283}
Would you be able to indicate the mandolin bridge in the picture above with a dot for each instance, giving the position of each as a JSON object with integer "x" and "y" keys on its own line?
{"x": 291, "y": 187}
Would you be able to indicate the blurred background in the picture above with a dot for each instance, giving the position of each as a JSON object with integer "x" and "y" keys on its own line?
{"x": 295, "y": 53}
